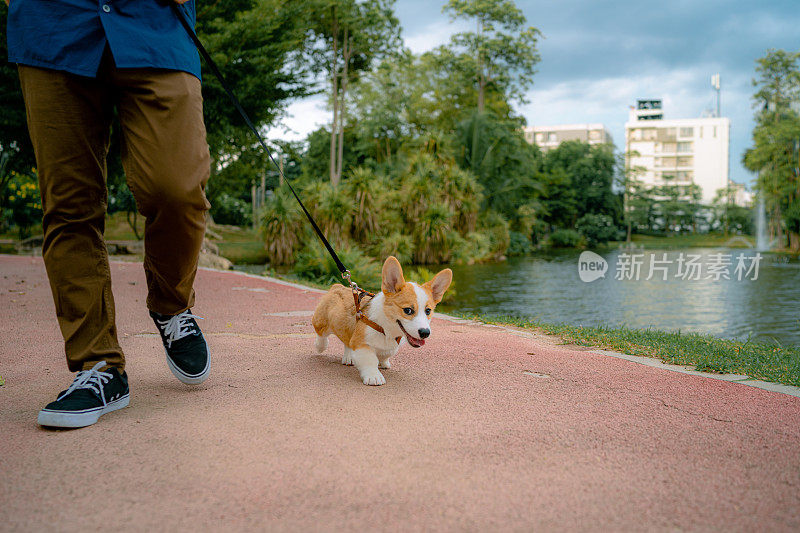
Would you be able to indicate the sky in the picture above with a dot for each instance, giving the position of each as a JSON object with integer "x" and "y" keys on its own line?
{"x": 599, "y": 57}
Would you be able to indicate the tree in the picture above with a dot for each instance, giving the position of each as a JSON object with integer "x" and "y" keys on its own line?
{"x": 355, "y": 33}
{"x": 381, "y": 105}
{"x": 495, "y": 151}
{"x": 591, "y": 176}
{"x": 16, "y": 152}
{"x": 635, "y": 201}
{"x": 677, "y": 206}
{"x": 726, "y": 215}
{"x": 501, "y": 53}
{"x": 776, "y": 139}
{"x": 261, "y": 47}
{"x": 597, "y": 229}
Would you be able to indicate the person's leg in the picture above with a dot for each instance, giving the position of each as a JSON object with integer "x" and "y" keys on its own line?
{"x": 167, "y": 163}
{"x": 69, "y": 119}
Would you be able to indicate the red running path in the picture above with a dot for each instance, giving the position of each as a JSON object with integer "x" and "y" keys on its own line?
{"x": 478, "y": 430}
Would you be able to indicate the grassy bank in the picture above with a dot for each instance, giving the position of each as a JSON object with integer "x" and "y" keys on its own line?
{"x": 759, "y": 360}
{"x": 704, "y": 240}
{"x": 241, "y": 246}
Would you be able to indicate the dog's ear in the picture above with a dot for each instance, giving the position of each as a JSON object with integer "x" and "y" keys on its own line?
{"x": 392, "y": 275}
{"x": 439, "y": 284}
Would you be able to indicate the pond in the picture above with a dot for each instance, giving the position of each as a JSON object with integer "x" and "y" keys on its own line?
{"x": 549, "y": 289}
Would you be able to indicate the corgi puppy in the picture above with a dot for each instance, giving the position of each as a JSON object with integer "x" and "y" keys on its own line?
{"x": 403, "y": 309}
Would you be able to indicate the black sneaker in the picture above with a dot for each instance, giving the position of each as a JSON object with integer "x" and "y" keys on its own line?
{"x": 187, "y": 351}
{"x": 91, "y": 395}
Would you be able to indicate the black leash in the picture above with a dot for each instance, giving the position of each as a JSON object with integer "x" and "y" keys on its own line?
{"x": 215, "y": 70}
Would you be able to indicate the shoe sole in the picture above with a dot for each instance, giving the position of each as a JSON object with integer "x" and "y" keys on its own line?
{"x": 190, "y": 379}
{"x": 80, "y": 419}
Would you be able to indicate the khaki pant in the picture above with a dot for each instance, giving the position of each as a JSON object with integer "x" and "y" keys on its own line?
{"x": 167, "y": 164}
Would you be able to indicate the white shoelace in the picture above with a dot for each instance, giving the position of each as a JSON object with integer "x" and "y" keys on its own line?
{"x": 90, "y": 379}
{"x": 178, "y": 327}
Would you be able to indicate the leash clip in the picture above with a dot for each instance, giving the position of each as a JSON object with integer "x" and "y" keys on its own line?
{"x": 353, "y": 285}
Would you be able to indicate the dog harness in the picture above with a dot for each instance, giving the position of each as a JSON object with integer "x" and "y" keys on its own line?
{"x": 358, "y": 295}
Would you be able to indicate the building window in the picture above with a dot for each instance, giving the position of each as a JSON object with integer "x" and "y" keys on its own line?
{"x": 551, "y": 137}
{"x": 715, "y": 132}
{"x": 687, "y": 132}
{"x": 539, "y": 137}
{"x": 684, "y": 147}
{"x": 684, "y": 161}
{"x": 649, "y": 135}
{"x": 594, "y": 135}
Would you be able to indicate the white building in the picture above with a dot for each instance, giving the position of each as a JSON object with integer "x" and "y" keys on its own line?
{"x": 677, "y": 152}
{"x": 548, "y": 137}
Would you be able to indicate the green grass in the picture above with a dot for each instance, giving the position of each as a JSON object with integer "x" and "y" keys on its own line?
{"x": 118, "y": 229}
{"x": 708, "y": 240}
{"x": 242, "y": 246}
{"x": 759, "y": 360}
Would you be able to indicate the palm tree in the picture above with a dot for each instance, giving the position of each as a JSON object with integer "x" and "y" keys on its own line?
{"x": 431, "y": 235}
{"x": 282, "y": 228}
{"x": 462, "y": 192}
{"x": 420, "y": 187}
{"x": 365, "y": 191}
{"x": 330, "y": 207}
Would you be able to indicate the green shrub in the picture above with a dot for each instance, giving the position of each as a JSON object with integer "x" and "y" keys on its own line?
{"x": 597, "y": 229}
{"x": 283, "y": 228}
{"x": 565, "y": 238}
{"x": 22, "y": 206}
{"x": 422, "y": 274}
{"x": 431, "y": 234}
{"x": 518, "y": 244}
{"x": 331, "y": 207}
{"x": 227, "y": 209}
{"x": 397, "y": 244}
{"x": 496, "y": 228}
{"x": 538, "y": 231}
{"x": 315, "y": 263}
{"x": 365, "y": 191}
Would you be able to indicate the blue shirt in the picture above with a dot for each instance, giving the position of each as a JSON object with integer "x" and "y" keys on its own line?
{"x": 71, "y": 35}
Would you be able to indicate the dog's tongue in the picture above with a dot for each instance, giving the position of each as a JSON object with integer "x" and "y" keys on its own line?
{"x": 416, "y": 343}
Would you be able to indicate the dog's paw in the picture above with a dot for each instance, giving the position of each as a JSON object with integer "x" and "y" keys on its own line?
{"x": 373, "y": 378}
{"x": 321, "y": 344}
{"x": 385, "y": 364}
{"x": 347, "y": 359}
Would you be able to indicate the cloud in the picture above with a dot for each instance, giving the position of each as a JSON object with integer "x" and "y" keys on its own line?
{"x": 302, "y": 117}
{"x": 432, "y": 35}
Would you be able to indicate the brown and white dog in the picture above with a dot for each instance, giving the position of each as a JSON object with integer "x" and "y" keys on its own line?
{"x": 403, "y": 309}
